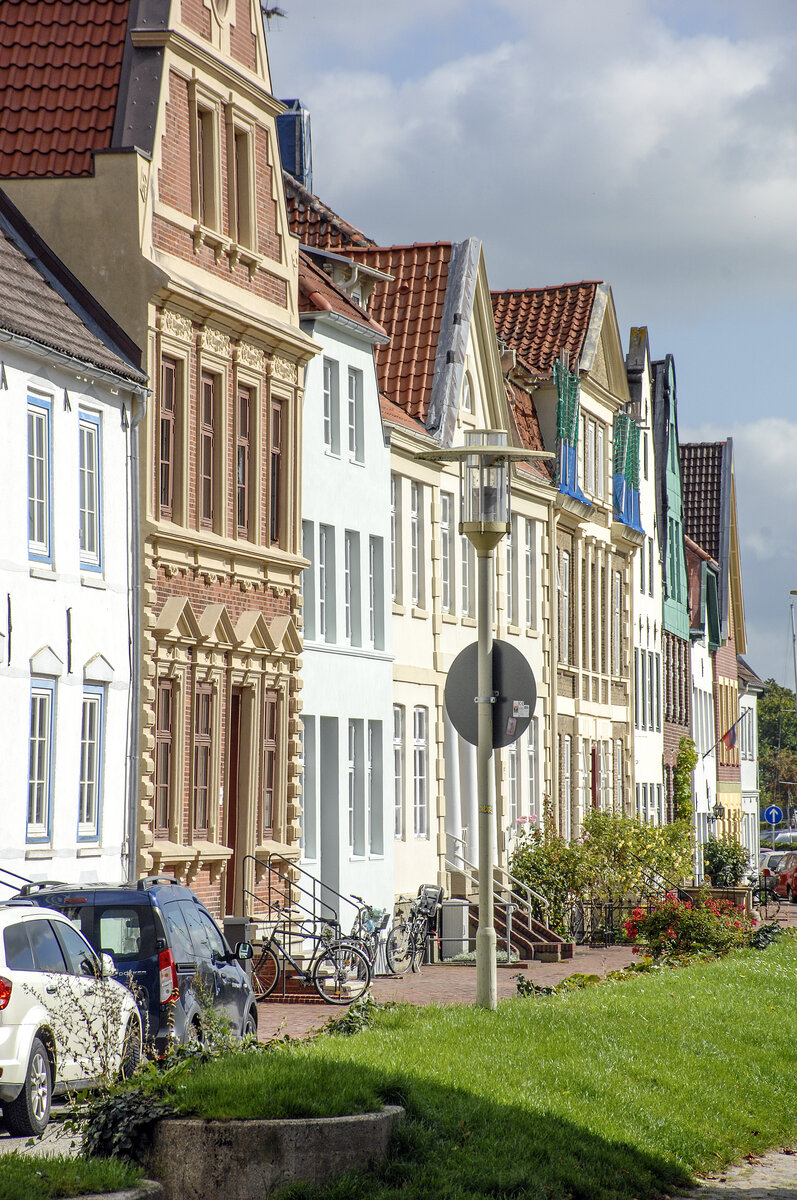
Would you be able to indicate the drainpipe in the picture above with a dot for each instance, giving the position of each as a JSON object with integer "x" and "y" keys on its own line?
{"x": 553, "y": 643}
{"x": 135, "y": 566}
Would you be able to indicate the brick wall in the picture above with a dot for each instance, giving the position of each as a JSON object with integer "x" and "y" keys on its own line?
{"x": 174, "y": 177}
{"x": 197, "y": 17}
{"x": 179, "y": 242}
{"x": 242, "y": 40}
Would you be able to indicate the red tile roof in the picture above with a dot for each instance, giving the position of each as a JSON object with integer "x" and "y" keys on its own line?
{"x": 394, "y": 414}
{"x": 541, "y": 322}
{"x": 701, "y": 486}
{"x": 409, "y": 308}
{"x": 318, "y": 293}
{"x": 315, "y": 224}
{"x": 528, "y": 429}
{"x": 60, "y": 64}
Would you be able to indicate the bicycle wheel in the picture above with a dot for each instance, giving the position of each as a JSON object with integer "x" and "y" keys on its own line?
{"x": 770, "y": 903}
{"x": 265, "y": 973}
{"x": 341, "y": 974}
{"x": 399, "y": 950}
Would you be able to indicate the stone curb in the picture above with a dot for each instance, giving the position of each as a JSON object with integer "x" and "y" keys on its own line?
{"x": 148, "y": 1189}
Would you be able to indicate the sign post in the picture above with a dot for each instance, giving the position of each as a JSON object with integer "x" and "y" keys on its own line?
{"x": 774, "y": 816}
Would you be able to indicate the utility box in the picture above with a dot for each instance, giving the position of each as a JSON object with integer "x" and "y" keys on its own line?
{"x": 454, "y": 928}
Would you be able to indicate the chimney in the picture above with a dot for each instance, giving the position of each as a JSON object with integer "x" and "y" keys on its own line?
{"x": 296, "y": 150}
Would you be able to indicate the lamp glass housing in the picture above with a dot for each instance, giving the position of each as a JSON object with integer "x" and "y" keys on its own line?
{"x": 485, "y": 483}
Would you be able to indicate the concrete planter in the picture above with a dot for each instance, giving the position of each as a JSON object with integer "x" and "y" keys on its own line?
{"x": 242, "y": 1160}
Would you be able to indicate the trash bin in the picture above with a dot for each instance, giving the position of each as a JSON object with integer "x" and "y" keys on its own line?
{"x": 454, "y": 928}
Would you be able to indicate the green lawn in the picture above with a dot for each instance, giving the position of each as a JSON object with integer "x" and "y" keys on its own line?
{"x": 618, "y": 1091}
{"x": 25, "y": 1177}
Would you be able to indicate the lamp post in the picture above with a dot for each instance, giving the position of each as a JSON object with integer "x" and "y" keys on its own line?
{"x": 485, "y": 507}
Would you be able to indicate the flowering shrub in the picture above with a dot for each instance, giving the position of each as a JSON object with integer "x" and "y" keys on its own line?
{"x": 675, "y": 927}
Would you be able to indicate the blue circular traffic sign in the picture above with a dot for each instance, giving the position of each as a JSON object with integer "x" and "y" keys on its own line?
{"x": 773, "y": 815}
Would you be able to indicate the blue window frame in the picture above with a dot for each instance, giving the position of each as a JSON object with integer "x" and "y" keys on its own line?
{"x": 90, "y": 484}
{"x": 40, "y": 759}
{"x": 40, "y": 475}
{"x": 92, "y": 743}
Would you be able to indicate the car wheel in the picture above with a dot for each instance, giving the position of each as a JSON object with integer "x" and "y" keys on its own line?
{"x": 250, "y": 1026}
{"x": 193, "y": 1033}
{"x": 790, "y": 895}
{"x": 131, "y": 1052}
{"x": 27, "y": 1116}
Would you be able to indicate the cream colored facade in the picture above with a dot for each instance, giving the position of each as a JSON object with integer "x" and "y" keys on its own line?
{"x": 186, "y": 243}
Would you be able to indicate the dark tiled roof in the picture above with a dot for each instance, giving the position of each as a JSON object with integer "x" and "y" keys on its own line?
{"x": 316, "y": 225}
{"x": 409, "y": 308}
{"x": 41, "y": 300}
{"x": 538, "y": 323}
{"x": 747, "y": 674}
{"x": 318, "y": 293}
{"x": 394, "y": 414}
{"x": 701, "y": 485}
{"x": 60, "y": 65}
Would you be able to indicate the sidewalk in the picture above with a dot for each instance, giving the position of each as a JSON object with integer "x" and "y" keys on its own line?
{"x": 441, "y": 983}
{"x": 772, "y": 1177}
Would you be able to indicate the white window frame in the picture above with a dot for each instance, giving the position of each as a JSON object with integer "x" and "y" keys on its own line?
{"x": 513, "y": 785}
{"x": 398, "y": 771}
{"x": 90, "y": 491}
{"x": 40, "y": 477}
{"x": 447, "y": 584}
{"x": 355, "y": 414}
{"x": 564, "y": 606}
{"x": 618, "y": 776}
{"x": 416, "y": 544}
{"x": 531, "y": 573}
{"x": 567, "y": 782}
{"x": 600, "y": 455}
{"x": 395, "y": 538}
{"x": 420, "y": 771}
{"x": 92, "y": 732}
{"x": 326, "y": 583}
{"x": 41, "y": 750}
{"x": 331, "y": 413}
{"x": 511, "y": 573}
{"x": 351, "y": 778}
{"x": 533, "y": 770}
{"x": 617, "y": 625}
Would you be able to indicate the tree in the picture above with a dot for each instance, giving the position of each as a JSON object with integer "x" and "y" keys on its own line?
{"x": 777, "y": 718}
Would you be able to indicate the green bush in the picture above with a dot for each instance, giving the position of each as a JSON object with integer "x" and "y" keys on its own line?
{"x": 725, "y": 860}
{"x": 673, "y": 927}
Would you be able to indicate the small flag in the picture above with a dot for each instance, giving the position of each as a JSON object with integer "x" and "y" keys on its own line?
{"x": 729, "y": 738}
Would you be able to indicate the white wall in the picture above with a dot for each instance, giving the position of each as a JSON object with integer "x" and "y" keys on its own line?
{"x": 347, "y": 678}
{"x": 41, "y": 602}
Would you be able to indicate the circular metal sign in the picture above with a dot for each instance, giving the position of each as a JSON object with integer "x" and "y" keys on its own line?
{"x": 773, "y": 815}
{"x": 514, "y": 689}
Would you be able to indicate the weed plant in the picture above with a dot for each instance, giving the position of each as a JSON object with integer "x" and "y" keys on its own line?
{"x": 23, "y": 1177}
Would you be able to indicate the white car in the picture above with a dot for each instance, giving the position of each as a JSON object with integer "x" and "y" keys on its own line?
{"x": 65, "y": 1024}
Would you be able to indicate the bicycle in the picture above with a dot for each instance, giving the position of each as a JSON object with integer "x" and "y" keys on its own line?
{"x": 407, "y": 939}
{"x": 368, "y": 927}
{"x": 339, "y": 970}
{"x": 766, "y": 900}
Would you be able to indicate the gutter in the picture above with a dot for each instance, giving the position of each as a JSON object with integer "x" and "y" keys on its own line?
{"x": 136, "y": 383}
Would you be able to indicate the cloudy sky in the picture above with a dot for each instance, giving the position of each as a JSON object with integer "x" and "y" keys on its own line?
{"x": 650, "y": 143}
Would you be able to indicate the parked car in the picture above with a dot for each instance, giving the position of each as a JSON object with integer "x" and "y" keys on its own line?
{"x": 787, "y": 877}
{"x": 167, "y": 946}
{"x": 64, "y": 1021}
{"x": 787, "y": 838}
{"x": 769, "y": 864}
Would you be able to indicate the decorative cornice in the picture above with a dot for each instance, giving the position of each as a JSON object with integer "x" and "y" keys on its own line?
{"x": 215, "y": 341}
{"x": 282, "y": 368}
{"x": 251, "y": 356}
{"x": 176, "y": 325}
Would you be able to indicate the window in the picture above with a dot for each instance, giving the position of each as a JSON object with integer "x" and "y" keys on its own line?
{"x": 91, "y": 745}
{"x": 331, "y": 406}
{"x": 511, "y": 574}
{"x": 164, "y": 742}
{"x": 167, "y": 434}
{"x": 207, "y": 422}
{"x": 203, "y": 737}
{"x": 513, "y": 783}
{"x": 398, "y": 770}
{"x": 416, "y": 542}
{"x": 90, "y": 492}
{"x": 355, "y": 409}
{"x": 242, "y": 460}
{"x": 533, "y": 771}
{"x": 308, "y": 777}
{"x": 308, "y": 580}
{"x": 395, "y": 537}
{"x": 651, "y": 567}
{"x": 206, "y": 206}
{"x": 651, "y": 690}
{"x": 467, "y": 395}
{"x": 39, "y": 481}
{"x": 275, "y": 515}
{"x": 564, "y": 606}
{"x": 586, "y": 754}
{"x": 243, "y": 200}
{"x": 269, "y": 775}
{"x": 40, "y": 759}
{"x": 420, "y": 773}
{"x": 591, "y": 432}
{"x": 376, "y": 603}
{"x": 446, "y": 540}
{"x": 351, "y": 587}
{"x": 599, "y": 461}
{"x": 643, "y": 689}
{"x": 605, "y": 794}
{"x": 642, "y": 574}
{"x": 531, "y": 573}
{"x": 326, "y": 583}
{"x": 373, "y": 798}
{"x": 617, "y": 623}
{"x": 618, "y": 776}
{"x": 467, "y": 572}
{"x": 351, "y": 775}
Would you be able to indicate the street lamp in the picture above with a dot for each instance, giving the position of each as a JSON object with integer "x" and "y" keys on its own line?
{"x": 485, "y": 507}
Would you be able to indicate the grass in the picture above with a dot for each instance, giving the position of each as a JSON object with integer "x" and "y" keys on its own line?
{"x": 24, "y": 1177}
{"x": 614, "y": 1092}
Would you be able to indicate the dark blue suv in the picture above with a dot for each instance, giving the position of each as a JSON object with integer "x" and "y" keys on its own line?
{"x": 158, "y": 934}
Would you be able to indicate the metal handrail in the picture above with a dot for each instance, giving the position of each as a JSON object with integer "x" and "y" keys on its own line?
{"x": 502, "y": 872}
{"x": 319, "y": 909}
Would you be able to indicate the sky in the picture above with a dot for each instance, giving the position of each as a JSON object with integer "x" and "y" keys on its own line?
{"x": 648, "y": 143}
